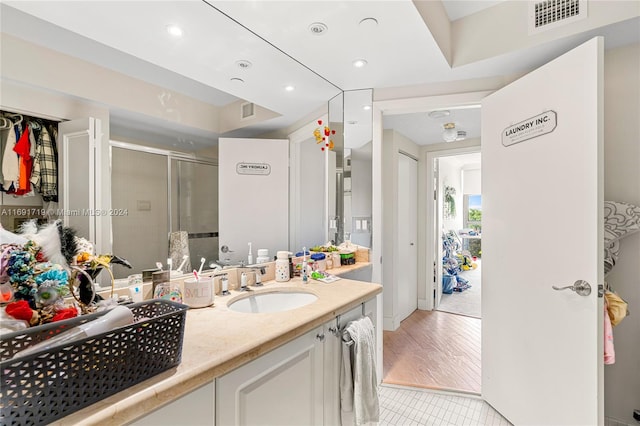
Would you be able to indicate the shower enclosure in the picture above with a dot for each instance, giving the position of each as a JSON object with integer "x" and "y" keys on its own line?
{"x": 162, "y": 192}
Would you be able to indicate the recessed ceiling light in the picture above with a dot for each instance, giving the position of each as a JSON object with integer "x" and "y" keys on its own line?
{"x": 359, "y": 63}
{"x": 244, "y": 64}
{"x": 174, "y": 30}
{"x": 237, "y": 80}
{"x": 318, "y": 28}
{"x": 369, "y": 23}
{"x": 289, "y": 88}
{"x": 366, "y": 107}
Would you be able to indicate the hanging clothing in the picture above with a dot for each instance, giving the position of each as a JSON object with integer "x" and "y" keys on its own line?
{"x": 10, "y": 162}
{"x": 23, "y": 148}
{"x": 609, "y": 351}
{"x": 45, "y": 166}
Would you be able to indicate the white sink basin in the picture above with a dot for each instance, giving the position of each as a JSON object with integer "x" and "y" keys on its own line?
{"x": 272, "y": 302}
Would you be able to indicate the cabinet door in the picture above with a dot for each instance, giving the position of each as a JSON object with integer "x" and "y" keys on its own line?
{"x": 195, "y": 408}
{"x": 333, "y": 358}
{"x": 282, "y": 387}
{"x": 78, "y": 141}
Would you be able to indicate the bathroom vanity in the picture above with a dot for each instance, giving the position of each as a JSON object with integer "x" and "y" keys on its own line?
{"x": 236, "y": 367}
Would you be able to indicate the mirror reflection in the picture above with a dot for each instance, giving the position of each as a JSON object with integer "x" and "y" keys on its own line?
{"x": 355, "y": 173}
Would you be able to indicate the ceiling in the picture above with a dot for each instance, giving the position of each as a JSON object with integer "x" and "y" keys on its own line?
{"x": 275, "y": 37}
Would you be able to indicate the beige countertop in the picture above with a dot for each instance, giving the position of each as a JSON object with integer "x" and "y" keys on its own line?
{"x": 218, "y": 340}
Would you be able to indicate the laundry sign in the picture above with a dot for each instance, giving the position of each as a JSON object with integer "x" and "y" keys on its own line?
{"x": 253, "y": 169}
{"x": 530, "y": 128}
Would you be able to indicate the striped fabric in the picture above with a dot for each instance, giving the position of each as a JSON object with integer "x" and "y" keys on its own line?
{"x": 45, "y": 166}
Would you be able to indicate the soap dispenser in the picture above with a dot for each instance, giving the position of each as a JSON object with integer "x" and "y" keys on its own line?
{"x": 282, "y": 266}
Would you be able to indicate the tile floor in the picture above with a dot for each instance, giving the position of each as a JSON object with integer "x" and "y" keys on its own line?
{"x": 401, "y": 406}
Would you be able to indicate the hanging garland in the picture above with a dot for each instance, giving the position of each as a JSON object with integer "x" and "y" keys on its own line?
{"x": 449, "y": 202}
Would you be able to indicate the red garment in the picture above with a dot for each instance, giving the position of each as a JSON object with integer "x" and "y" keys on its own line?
{"x": 22, "y": 148}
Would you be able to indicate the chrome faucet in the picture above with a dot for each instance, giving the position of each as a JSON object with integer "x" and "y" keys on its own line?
{"x": 258, "y": 271}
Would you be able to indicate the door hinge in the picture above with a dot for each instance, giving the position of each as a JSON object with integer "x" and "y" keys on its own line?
{"x": 600, "y": 290}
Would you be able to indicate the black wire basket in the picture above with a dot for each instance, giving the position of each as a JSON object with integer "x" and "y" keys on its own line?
{"x": 44, "y": 386}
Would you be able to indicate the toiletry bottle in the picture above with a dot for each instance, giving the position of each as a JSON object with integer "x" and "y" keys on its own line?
{"x": 291, "y": 267}
{"x": 282, "y": 266}
{"x": 250, "y": 256}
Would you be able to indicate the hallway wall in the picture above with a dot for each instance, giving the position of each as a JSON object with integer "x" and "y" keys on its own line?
{"x": 621, "y": 183}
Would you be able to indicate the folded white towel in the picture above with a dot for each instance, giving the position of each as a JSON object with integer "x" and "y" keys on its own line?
{"x": 358, "y": 382}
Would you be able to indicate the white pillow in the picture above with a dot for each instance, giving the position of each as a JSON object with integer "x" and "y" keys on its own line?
{"x": 620, "y": 219}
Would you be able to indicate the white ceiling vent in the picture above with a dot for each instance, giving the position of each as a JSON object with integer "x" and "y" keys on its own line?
{"x": 547, "y": 14}
{"x": 247, "y": 110}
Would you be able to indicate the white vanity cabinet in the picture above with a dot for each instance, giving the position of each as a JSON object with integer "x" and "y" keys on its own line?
{"x": 282, "y": 387}
{"x": 295, "y": 384}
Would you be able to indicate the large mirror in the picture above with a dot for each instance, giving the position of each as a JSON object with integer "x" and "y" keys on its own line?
{"x": 349, "y": 179}
{"x": 334, "y": 200}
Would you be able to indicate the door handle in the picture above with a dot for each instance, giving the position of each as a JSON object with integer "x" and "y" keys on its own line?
{"x": 581, "y": 287}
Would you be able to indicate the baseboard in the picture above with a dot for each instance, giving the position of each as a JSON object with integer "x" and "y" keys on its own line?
{"x": 390, "y": 324}
{"x": 423, "y": 305}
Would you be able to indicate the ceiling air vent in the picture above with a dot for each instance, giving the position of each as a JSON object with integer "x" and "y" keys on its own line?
{"x": 547, "y": 14}
{"x": 247, "y": 110}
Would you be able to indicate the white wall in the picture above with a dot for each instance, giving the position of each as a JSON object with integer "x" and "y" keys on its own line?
{"x": 622, "y": 183}
{"x": 253, "y": 208}
{"x": 471, "y": 42}
{"x": 393, "y": 143}
{"x": 311, "y": 182}
{"x": 360, "y": 191}
{"x": 450, "y": 173}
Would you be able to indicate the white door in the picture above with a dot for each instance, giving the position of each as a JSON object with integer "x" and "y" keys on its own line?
{"x": 253, "y": 197}
{"x": 407, "y": 218}
{"x": 542, "y": 356}
{"x": 79, "y": 197}
{"x": 437, "y": 241}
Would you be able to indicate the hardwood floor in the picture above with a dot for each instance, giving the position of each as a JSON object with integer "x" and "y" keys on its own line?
{"x": 436, "y": 350}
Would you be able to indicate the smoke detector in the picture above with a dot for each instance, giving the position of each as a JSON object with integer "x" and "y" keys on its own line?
{"x": 318, "y": 28}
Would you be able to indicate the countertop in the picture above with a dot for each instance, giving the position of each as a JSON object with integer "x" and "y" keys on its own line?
{"x": 218, "y": 340}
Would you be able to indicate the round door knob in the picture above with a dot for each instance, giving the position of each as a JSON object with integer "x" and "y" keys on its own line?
{"x": 320, "y": 337}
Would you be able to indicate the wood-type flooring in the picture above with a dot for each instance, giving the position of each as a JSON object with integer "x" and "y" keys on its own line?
{"x": 435, "y": 350}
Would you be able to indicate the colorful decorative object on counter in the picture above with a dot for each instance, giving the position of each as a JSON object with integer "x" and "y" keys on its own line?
{"x": 35, "y": 277}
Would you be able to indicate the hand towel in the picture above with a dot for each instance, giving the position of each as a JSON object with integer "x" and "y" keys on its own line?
{"x": 358, "y": 381}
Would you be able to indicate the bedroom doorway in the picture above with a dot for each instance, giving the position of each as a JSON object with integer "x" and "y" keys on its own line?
{"x": 441, "y": 348}
{"x": 459, "y": 220}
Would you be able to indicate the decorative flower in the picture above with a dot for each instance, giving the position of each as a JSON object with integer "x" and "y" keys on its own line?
{"x": 64, "y": 314}
{"x": 48, "y": 293}
{"x": 22, "y": 311}
{"x": 56, "y": 274}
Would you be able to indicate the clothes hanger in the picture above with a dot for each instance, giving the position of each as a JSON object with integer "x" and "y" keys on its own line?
{"x": 5, "y": 123}
{"x": 18, "y": 116}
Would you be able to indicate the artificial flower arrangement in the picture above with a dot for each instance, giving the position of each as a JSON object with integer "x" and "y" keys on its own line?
{"x": 321, "y": 136}
{"x": 47, "y": 274}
